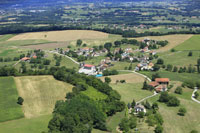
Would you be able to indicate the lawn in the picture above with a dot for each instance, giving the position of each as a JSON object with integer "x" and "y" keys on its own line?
{"x": 40, "y": 94}
{"x": 94, "y": 94}
{"x": 6, "y": 37}
{"x": 191, "y": 44}
{"x": 9, "y": 109}
{"x": 130, "y": 91}
{"x": 25, "y": 125}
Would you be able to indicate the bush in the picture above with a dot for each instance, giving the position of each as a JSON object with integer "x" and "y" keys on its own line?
{"x": 158, "y": 129}
{"x": 194, "y": 131}
{"x": 160, "y": 61}
{"x": 173, "y": 101}
{"x": 190, "y": 53}
{"x": 107, "y": 80}
{"x": 20, "y": 100}
{"x": 178, "y": 90}
{"x": 182, "y": 111}
{"x": 196, "y": 94}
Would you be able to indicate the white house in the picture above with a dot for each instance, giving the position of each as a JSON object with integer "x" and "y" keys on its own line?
{"x": 88, "y": 69}
{"x": 139, "y": 108}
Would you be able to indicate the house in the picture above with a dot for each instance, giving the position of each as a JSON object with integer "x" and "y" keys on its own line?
{"x": 88, "y": 69}
{"x": 35, "y": 57}
{"x": 164, "y": 81}
{"x": 160, "y": 84}
{"x": 25, "y": 59}
{"x": 139, "y": 108}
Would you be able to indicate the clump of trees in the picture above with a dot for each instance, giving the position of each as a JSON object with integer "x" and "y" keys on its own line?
{"x": 178, "y": 90}
{"x": 127, "y": 124}
{"x": 110, "y": 72}
{"x": 182, "y": 111}
{"x": 168, "y": 99}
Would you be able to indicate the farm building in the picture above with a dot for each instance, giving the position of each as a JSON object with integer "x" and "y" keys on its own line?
{"x": 88, "y": 69}
{"x": 160, "y": 84}
{"x": 25, "y": 59}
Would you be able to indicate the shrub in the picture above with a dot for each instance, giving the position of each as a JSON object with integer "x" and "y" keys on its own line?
{"x": 190, "y": 53}
{"x": 182, "y": 111}
{"x": 158, "y": 129}
{"x": 173, "y": 101}
{"x": 160, "y": 61}
{"x": 20, "y": 100}
{"x": 178, "y": 90}
{"x": 107, "y": 80}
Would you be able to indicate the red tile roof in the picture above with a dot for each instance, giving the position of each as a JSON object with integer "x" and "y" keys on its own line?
{"x": 154, "y": 84}
{"x": 162, "y": 80}
{"x": 25, "y": 58}
{"x": 87, "y": 65}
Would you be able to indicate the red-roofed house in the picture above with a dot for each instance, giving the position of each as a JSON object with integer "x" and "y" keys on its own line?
{"x": 88, "y": 69}
{"x": 160, "y": 84}
{"x": 25, "y": 59}
{"x": 162, "y": 80}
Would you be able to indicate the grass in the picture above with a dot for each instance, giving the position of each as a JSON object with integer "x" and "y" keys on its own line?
{"x": 175, "y": 76}
{"x": 191, "y": 44}
{"x": 174, "y": 123}
{"x": 33, "y": 125}
{"x": 120, "y": 65}
{"x": 130, "y": 78}
{"x": 6, "y": 52}
{"x": 66, "y": 35}
{"x": 9, "y": 109}
{"x": 6, "y": 37}
{"x": 174, "y": 40}
{"x": 40, "y": 94}
{"x": 130, "y": 91}
{"x": 94, "y": 94}
{"x": 180, "y": 58}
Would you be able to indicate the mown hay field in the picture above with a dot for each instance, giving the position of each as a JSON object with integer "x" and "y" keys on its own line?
{"x": 66, "y": 35}
{"x": 130, "y": 78}
{"x": 191, "y": 44}
{"x": 40, "y": 94}
{"x": 174, "y": 40}
{"x": 9, "y": 109}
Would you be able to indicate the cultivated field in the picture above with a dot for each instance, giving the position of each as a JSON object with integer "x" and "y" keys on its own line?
{"x": 48, "y": 45}
{"x": 191, "y": 44}
{"x": 40, "y": 94}
{"x": 67, "y": 35}
{"x": 9, "y": 109}
{"x": 130, "y": 78}
{"x": 174, "y": 40}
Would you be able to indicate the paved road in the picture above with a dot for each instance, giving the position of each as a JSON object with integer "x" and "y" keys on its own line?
{"x": 192, "y": 97}
{"x": 64, "y": 56}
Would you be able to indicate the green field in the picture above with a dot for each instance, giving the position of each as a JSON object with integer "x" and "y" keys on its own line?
{"x": 174, "y": 76}
{"x": 6, "y": 37}
{"x": 180, "y": 58}
{"x": 33, "y": 125}
{"x": 174, "y": 123}
{"x": 130, "y": 91}
{"x": 94, "y": 94}
{"x": 9, "y": 109}
{"x": 191, "y": 44}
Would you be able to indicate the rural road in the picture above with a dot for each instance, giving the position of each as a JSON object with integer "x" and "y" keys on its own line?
{"x": 192, "y": 97}
{"x": 17, "y": 63}
{"x": 64, "y": 56}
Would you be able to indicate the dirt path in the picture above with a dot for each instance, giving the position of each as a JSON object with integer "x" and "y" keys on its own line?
{"x": 64, "y": 56}
{"x": 192, "y": 97}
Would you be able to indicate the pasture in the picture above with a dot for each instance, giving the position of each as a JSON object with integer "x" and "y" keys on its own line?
{"x": 9, "y": 109}
{"x": 40, "y": 94}
{"x": 173, "y": 123}
{"x": 191, "y": 44}
{"x": 130, "y": 91}
{"x": 130, "y": 78}
{"x": 25, "y": 125}
{"x": 66, "y": 35}
{"x": 180, "y": 58}
{"x": 174, "y": 40}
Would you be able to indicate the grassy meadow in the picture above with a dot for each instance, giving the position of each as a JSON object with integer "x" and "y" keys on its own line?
{"x": 9, "y": 109}
{"x": 191, "y": 44}
{"x": 25, "y": 125}
{"x": 40, "y": 94}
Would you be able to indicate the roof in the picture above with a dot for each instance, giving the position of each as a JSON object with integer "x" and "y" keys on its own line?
{"x": 139, "y": 106}
{"x": 87, "y": 65}
{"x": 25, "y": 58}
{"x": 34, "y": 56}
{"x": 162, "y": 80}
{"x": 154, "y": 84}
